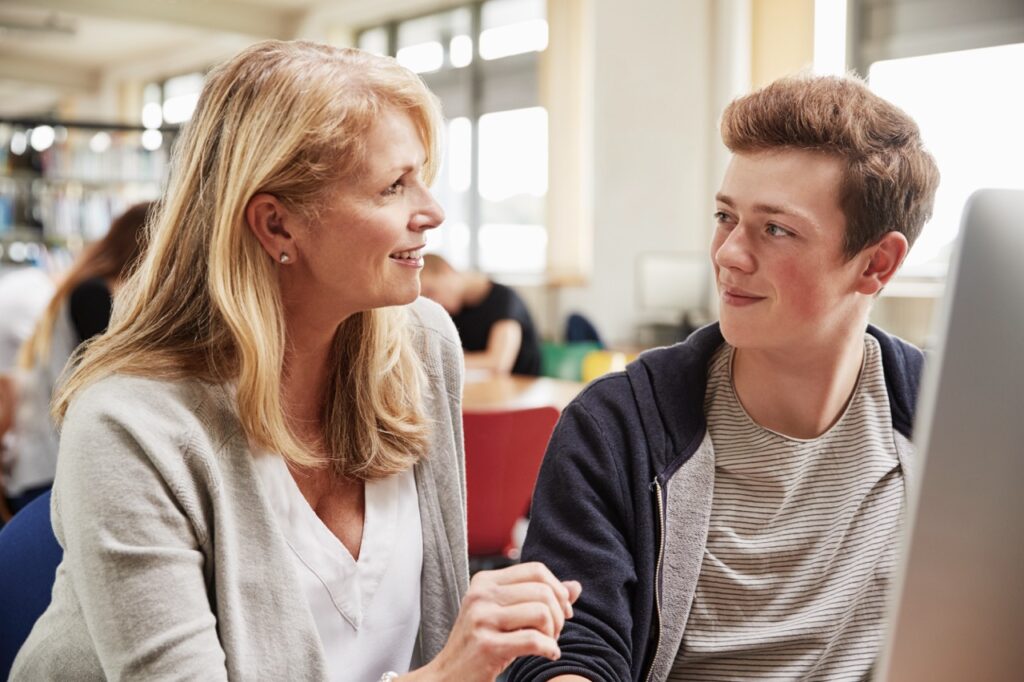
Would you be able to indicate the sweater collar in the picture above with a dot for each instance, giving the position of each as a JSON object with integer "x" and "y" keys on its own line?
{"x": 669, "y": 386}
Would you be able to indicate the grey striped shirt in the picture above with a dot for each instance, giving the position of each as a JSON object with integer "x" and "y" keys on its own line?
{"x": 802, "y": 543}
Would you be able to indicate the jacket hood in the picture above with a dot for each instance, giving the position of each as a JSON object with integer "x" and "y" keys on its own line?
{"x": 669, "y": 386}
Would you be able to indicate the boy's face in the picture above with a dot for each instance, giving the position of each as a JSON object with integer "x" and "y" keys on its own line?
{"x": 783, "y": 281}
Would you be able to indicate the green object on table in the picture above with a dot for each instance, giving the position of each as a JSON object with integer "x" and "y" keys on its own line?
{"x": 565, "y": 360}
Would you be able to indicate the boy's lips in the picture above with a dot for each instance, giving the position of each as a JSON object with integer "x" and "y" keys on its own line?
{"x": 737, "y": 291}
{"x": 733, "y": 295}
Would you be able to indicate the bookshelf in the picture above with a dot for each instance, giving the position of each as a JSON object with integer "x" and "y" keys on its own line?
{"x": 66, "y": 194}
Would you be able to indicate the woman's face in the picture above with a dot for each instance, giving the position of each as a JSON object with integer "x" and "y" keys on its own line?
{"x": 364, "y": 249}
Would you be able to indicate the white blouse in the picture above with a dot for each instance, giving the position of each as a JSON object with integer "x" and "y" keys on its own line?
{"x": 367, "y": 611}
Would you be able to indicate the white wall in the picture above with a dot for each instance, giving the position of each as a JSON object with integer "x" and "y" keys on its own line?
{"x": 652, "y": 121}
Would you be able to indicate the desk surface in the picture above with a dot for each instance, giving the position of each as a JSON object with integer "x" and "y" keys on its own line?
{"x": 517, "y": 392}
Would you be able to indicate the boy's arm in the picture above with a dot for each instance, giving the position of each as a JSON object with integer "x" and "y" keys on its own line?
{"x": 579, "y": 528}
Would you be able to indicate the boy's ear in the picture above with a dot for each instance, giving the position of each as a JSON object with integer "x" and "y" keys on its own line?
{"x": 883, "y": 261}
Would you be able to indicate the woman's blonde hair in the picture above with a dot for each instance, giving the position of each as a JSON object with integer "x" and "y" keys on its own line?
{"x": 112, "y": 257}
{"x": 289, "y": 119}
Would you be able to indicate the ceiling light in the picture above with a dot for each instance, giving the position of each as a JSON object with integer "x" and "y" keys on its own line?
{"x": 152, "y": 139}
{"x": 100, "y": 142}
{"x": 42, "y": 138}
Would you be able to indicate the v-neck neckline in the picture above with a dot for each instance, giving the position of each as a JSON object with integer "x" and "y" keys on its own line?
{"x": 351, "y": 583}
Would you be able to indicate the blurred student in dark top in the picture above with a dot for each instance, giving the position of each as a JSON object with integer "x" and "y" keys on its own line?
{"x": 79, "y": 310}
{"x": 497, "y": 331}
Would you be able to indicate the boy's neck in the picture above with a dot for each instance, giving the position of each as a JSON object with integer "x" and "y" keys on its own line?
{"x": 798, "y": 394}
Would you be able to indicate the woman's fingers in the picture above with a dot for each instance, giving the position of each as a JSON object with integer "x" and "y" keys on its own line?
{"x": 540, "y": 593}
{"x": 515, "y": 611}
{"x": 532, "y": 572}
{"x": 524, "y": 642}
{"x": 575, "y": 589}
{"x": 537, "y": 594}
{"x": 527, "y": 615}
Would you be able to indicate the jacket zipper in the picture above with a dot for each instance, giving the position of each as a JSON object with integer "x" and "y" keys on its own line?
{"x": 657, "y": 575}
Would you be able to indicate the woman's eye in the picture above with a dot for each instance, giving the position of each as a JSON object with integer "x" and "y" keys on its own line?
{"x": 393, "y": 188}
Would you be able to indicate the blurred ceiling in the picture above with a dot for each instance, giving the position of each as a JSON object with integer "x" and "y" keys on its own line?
{"x": 53, "y": 48}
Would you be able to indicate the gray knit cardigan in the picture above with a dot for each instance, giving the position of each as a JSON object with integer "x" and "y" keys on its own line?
{"x": 174, "y": 565}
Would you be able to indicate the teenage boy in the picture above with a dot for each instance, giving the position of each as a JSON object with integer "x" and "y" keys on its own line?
{"x": 732, "y": 504}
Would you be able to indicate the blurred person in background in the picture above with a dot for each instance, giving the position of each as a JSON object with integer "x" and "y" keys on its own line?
{"x": 261, "y": 472}
{"x": 495, "y": 326}
{"x": 77, "y": 311}
{"x": 24, "y": 295}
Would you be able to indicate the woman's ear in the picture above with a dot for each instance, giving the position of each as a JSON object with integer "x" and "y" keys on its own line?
{"x": 268, "y": 219}
{"x": 884, "y": 260}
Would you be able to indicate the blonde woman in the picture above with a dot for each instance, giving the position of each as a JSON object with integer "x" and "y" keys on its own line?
{"x": 261, "y": 470}
{"x": 78, "y": 310}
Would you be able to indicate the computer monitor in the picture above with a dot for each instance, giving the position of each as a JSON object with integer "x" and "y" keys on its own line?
{"x": 958, "y": 612}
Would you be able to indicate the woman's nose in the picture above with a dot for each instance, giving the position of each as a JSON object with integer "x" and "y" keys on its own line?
{"x": 431, "y": 215}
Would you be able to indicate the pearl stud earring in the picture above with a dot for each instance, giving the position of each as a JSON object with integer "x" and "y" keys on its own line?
{"x": 284, "y": 257}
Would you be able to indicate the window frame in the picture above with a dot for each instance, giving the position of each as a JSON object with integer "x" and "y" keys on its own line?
{"x": 489, "y": 86}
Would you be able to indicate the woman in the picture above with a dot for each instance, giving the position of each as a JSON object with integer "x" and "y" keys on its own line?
{"x": 78, "y": 311}
{"x": 261, "y": 464}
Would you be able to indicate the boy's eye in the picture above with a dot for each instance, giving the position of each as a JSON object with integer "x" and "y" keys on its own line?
{"x": 776, "y": 231}
{"x": 721, "y": 217}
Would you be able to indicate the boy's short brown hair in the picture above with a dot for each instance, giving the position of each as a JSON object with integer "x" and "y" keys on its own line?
{"x": 889, "y": 178}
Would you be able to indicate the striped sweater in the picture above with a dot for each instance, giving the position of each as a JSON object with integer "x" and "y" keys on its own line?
{"x": 802, "y": 541}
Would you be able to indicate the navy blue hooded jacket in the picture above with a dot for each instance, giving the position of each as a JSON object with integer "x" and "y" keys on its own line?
{"x": 599, "y": 511}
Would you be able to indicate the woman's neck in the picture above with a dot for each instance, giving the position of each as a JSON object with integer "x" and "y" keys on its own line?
{"x": 306, "y": 373}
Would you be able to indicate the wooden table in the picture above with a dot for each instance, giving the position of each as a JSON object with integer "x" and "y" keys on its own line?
{"x": 517, "y": 392}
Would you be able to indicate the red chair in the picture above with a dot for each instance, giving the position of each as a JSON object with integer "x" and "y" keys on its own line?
{"x": 504, "y": 450}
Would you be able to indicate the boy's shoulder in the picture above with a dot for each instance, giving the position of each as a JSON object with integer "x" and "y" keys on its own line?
{"x": 658, "y": 400}
{"x": 659, "y": 376}
{"x": 902, "y": 364}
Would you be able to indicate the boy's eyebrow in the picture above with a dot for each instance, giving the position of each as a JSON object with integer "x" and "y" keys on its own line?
{"x": 769, "y": 208}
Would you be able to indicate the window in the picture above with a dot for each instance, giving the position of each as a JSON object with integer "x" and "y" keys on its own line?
{"x": 510, "y": 28}
{"x": 482, "y": 61}
{"x": 180, "y": 96}
{"x": 830, "y": 37}
{"x": 967, "y": 102}
{"x": 955, "y": 68}
{"x": 513, "y": 179}
{"x": 422, "y": 42}
{"x": 969, "y": 105}
{"x": 170, "y": 102}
